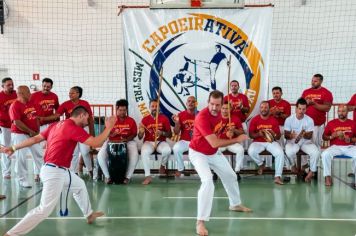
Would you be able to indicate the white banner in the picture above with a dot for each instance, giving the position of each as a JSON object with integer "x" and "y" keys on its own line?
{"x": 192, "y": 48}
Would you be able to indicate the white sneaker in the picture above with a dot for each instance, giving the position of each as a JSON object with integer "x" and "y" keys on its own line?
{"x": 24, "y": 184}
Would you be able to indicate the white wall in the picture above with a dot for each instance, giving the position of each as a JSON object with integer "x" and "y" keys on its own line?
{"x": 76, "y": 43}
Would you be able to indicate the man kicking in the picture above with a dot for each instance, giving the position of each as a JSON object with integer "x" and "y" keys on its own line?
{"x": 62, "y": 138}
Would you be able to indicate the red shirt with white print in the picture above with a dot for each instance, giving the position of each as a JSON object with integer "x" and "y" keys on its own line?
{"x": 320, "y": 96}
{"x": 283, "y": 106}
{"x": 26, "y": 113}
{"x": 186, "y": 121}
{"x": 235, "y": 110}
{"x": 257, "y": 124}
{"x": 123, "y": 129}
{"x": 150, "y": 123}
{"x": 5, "y": 102}
{"x": 348, "y": 127}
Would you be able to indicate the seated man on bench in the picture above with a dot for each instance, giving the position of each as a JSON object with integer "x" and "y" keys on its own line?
{"x": 341, "y": 133}
{"x": 154, "y": 133}
{"x": 298, "y": 131}
{"x": 264, "y": 130}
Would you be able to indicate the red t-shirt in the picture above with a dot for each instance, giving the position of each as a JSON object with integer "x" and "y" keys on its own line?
{"x": 319, "y": 96}
{"x": 222, "y": 127}
{"x": 257, "y": 124}
{"x": 123, "y": 129}
{"x": 150, "y": 123}
{"x": 25, "y": 113}
{"x": 186, "y": 121}
{"x": 235, "y": 110}
{"x": 68, "y": 106}
{"x": 5, "y": 101}
{"x": 62, "y": 138}
{"x": 348, "y": 127}
{"x": 204, "y": 125}
{"x": 47, "y": 104}
{"x": 352, "y": 102}
{"x": 283, "y": 106}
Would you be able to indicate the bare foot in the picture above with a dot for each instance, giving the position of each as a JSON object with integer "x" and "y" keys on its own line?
{"x": 261, "y": 169}
{"x": 93, "y": 216}
{"x": 177, "y": 173}
{"x": 126, "y": 181}
{"x": 200, "y": 228}
{"x": 240, "y": 208}
{"x": 7, "y": 177}
{"x": 162, "y": 170}
{"x": 294, "y": 170}
{"x": 108, "y": 181}
{"x": 328, "y": 181}
{"x": 147, "y": 180}
{"x": 2, "y": 197}
{"x": 309, "y": 177}
{"x": 6, "y": 234}
{"x": 277, "y": 180}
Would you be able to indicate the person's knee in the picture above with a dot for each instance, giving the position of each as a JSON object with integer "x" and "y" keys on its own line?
{"x": 176, "y": 148}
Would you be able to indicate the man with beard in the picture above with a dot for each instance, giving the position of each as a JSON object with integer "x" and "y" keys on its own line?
{"x": 183, "y": 126}
{"x": 204, "y": 155}
{"x": 260, "y": 125}
{"x": 154, "y": 133}
{"x": 7, "y": 97}
{"x": 319, "y": 101}
{"x": 341, "y": 133}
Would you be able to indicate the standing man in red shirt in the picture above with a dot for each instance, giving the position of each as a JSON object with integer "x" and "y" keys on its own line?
{"x": 62, "y": 138}
{"x": 66, "y": 108}
{"x": 351, "y": 106}
{"x": 259, "y": 125}
{"x": 226, "y": 130}
{"x": 124, "y": 131}
{"x": 239, "y": 102}
{"x": 204, "y": 155}
{"x": 7, "y": 97}
{"x": 319, "y": 101}
{"x": 47, "y": 103}
{"x": 183, "y": 126}
{"x": 148, "y": 131}
{"x": 341, "y": 133}
{"x": 25, "y": 124}
{"x": 279, "y": 109}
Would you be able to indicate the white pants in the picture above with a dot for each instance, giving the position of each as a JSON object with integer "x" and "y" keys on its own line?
{"x": 274, "y": 148}
{"x": 220, "y": 165}
{"x": 54, "y": 181}
{"x": 328, "y": 154}
{"x": 132, "y": 153}
{"x": 318, "y": 135}
{"x": 282, "y": 140}
{"x": 21, "y": 156}
{"x": 84, "y": 150}
{"x": 5, "y": 139}
{"x": 308, "y": 147}
{"x": 178, "y": 149}
{"x": 148, "y": 148}
{"x": 239, "y": 154}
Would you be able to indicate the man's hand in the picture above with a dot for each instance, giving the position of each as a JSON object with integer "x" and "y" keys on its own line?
{"x": 141, "y": 129}
{"x": 110, "y": 122}
{"x": 175, "y": 118}
{"x": 7, "y": 150}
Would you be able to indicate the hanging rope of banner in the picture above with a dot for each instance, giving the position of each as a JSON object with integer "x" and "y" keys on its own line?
{"x": 123, "y": 7}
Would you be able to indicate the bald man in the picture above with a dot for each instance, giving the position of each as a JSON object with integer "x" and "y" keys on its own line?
{"x": 183, "y": 126}
{"x": 25, "y": 124}
{"x": 341, "y": 133}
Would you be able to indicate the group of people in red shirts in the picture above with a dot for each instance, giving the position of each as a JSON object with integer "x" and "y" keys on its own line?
{"x": 205, "y": 135}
